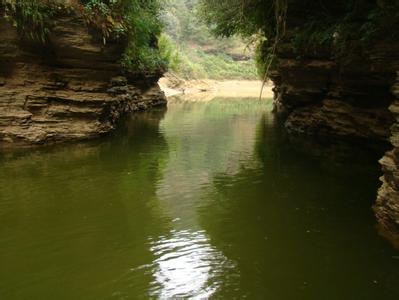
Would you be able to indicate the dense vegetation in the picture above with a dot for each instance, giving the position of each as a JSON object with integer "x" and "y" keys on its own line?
{"x": 137, "y": 21}
{"x": 309, "y": 25}
{"x": 188, "y": 47}
{"x": 194, "y": 52}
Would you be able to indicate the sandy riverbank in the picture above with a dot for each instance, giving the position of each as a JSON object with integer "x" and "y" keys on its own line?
{"x": 207, "y": 89}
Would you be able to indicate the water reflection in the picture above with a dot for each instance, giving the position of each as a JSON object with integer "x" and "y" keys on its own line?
{"x": 294, "y": 225}
{"x": 75, "y": 220}
{"x": 204, "y": 139}
{"x": 187, "y": 265}
{"x": 209, "y": 200}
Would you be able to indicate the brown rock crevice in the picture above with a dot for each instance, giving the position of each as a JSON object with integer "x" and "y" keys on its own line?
{"x": 72, "y": 89}
{"x": 353, "y": 96}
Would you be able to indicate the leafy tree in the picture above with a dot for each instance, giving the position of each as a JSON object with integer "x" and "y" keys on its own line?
{"x": 311, "y": 24}
{"x": 196, "y": 51}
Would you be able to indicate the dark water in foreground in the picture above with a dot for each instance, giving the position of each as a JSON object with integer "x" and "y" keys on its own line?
{"x": 207, "y": 200}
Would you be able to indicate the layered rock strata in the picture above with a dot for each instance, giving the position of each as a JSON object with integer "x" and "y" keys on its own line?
{"x": 352, "y": 95}
{"x": 358, "y": 99}
{"x": 387, "y": 206}
{"x": 323, "y": 96}
{"x": 72, "y": 89}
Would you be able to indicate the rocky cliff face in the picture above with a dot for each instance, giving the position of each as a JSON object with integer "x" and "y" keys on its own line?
{"x": 355, "y": 97}
{"x": 73, "y": 89}
{"x": 387, "y": 206}
{"x": 322, "y": 96}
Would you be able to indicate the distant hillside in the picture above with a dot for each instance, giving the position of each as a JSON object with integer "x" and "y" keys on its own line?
{"x": 194, "y": 52}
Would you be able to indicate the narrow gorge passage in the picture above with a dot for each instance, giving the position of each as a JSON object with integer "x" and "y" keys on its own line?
{"x": 163, "y": 209}
{"x": 139, "y": 158}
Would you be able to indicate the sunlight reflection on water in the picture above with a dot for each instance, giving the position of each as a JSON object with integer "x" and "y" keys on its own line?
{"x": 186, "y": 265}
{"x": 207, "y": 200}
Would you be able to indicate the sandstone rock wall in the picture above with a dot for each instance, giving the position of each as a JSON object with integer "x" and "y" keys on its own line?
{"x": 74, "y": 89}
{"x": 323, "y": 96}
{"x": 355, "y": 97}
{"x": 387, "y": 206}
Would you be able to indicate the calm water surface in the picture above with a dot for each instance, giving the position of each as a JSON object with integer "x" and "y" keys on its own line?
{"x": 206, "y": 200}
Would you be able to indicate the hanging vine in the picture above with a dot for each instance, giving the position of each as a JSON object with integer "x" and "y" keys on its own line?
{"x": 280, "y": 9}
{"x": 31, "y": 17}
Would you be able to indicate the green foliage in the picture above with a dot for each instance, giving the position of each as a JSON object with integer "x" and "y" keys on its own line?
{"x": 194, "y": 52}
{"x": 197, "y": 64}
{"x": 143, "y": 59}
{"x": 355, "y": 20}
{"x": 222, "y": 66}
{"x": 170, "y": 52}
{"x": 322, "y": 24}
{"x": 138, "y": 20}
{"x": 244, "y": 17}
{"x": 313, "y": 36}
{"x": 32, "y": 17}
{"x": 262, "y": 20}
{"x": 107, "y": 16}
{"x": 263, "y": 57}
{"x": 181, "y": 23}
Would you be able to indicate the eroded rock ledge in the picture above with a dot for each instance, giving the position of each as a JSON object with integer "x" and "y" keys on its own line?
{"x": 323, "y": 96}
{"x": 354, "y": 97}
{"x": 387, "y": 206}
{"x": 72, "y": 90}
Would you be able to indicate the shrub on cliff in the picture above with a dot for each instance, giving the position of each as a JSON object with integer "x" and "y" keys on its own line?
{"x": 312, "y": 25}
{"x": 134, "y": 20}
{"x": 31, "y": 17}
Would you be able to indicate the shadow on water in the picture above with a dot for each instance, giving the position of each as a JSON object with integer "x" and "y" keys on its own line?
{"x": 76, "y": 221}
{"x": 207, "y": 200}
{"x": 301, "y": 225}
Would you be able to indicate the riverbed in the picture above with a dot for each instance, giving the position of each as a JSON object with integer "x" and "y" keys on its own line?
{"x": 207, "y": 199}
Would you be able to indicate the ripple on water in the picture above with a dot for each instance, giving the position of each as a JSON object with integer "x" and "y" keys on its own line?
{"x": 186, "y": 265}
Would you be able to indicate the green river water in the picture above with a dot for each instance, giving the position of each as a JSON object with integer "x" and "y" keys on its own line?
{"x": 204, "y": 200}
